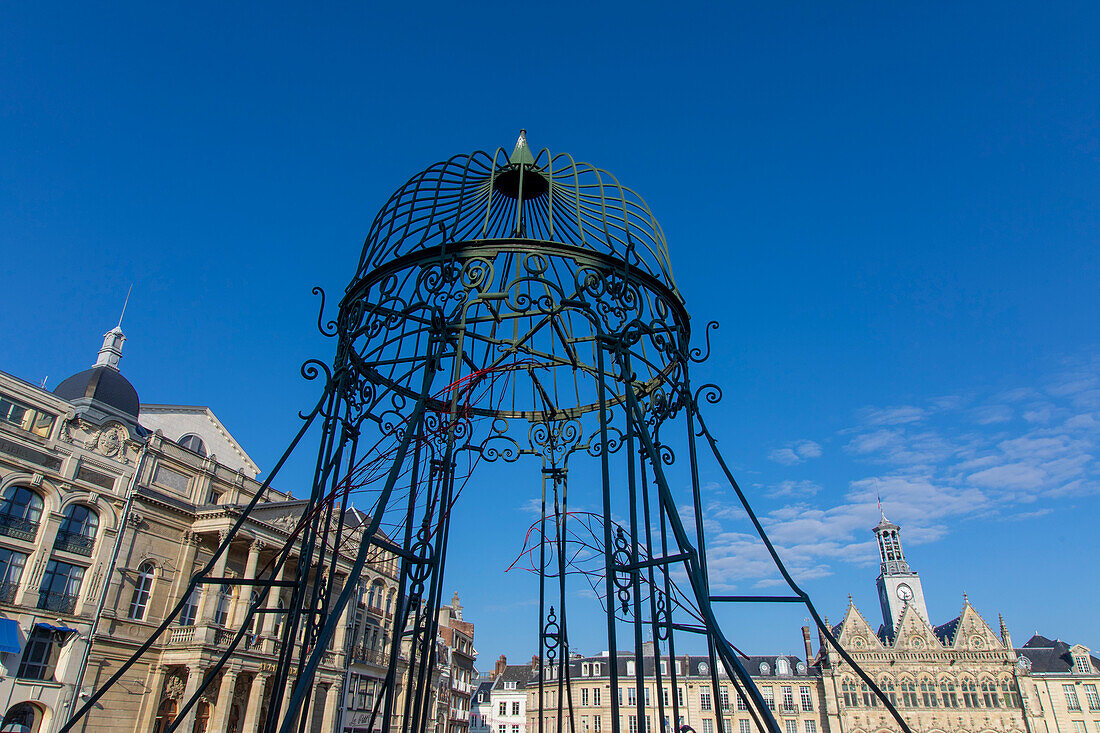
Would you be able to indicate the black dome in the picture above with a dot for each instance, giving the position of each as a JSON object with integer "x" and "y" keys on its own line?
{"x": 104, "y": 385}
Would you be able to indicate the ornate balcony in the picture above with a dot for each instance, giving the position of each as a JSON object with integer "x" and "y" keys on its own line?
{"x": 75, "y": 543}
{"x": 57, "y": 602}
{"x": 17, "y": 527}
{"x": 181, "y": 636}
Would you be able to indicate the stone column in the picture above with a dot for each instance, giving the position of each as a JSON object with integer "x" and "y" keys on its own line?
{"x": 333, "y": 709}
{"x": 220, "y": 719}
{"x": 194, "y": 679}
{"x": 312, "y": 708}
{"x": 244, "y": 594}
{"x": 269, "y": 620}
{"x": 151, "y": 700}
{"x": 251, "y": 722}
{"x": 339, "y": 639}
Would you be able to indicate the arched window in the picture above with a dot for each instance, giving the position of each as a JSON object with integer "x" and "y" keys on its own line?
{"x": 193, "y": 443}
{"x": 888, "y": 687}
{"x": 989, "y": 694}
{"x": 1012, "y": 699}
{"x": 851, "y": 697}
{"x": 166, "y": 714}
{"x": 20, "y": 719}
{"x": 389, "y": 602}
{"x": 221, "y": 610}
{"x": 190, "y": 608}
{"x": 870, "y": 699}
{"x": 970, "y": 693}
{"x": 143, "y": 586}
{"x": 202, "y": 717}
{"x": 370, "y": 597}
{"x": 782, "y": 666}
{"x": 909, "y": 694}
{"x": 947, "y": 694}
{"x": 928, "y": 693}
{"x": 20, "y": 511}
{"x": 78, "y": 530}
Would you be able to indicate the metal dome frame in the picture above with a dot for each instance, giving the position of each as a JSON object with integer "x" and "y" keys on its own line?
{"x": 493, "y": 291}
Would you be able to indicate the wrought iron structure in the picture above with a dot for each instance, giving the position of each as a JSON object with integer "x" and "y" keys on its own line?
{"x": 508, "y": 308}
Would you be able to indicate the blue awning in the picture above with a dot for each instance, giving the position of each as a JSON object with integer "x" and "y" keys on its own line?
{"x": 9, "y": 635}
{"x": 58, "y": 629}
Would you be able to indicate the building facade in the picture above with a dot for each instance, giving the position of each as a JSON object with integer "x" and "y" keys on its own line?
{"x": 959, "y": 676}
{"x": 107, "y": 508}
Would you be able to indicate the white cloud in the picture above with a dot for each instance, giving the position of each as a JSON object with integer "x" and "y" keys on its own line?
{"x": 796, "y": 452}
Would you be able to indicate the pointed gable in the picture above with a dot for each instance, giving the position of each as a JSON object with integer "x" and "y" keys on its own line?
{"x": 855, "y": 632}
{"x": 914, "y": 631}
{"x": 972, "y": 632}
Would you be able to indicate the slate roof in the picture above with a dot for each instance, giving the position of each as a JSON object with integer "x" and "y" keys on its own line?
{"x": 518, "y": 673}
{"x": 101, "y": 384}
{"x": 483, "y": 689}
{"x": 1050, "y": 656}
{"x": 946, "y": 632}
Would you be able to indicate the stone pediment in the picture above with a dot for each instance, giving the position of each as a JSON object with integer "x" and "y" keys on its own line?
{"x": 973, "y": 632}
{"x": 914, "y": 632}
{"x": 856, "y": 633}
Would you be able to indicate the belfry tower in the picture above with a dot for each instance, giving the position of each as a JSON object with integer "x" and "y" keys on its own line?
{"x": 898, "y": 585}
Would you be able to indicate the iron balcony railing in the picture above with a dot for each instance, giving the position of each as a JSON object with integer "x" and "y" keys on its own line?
{"x": 75, "y": 543}
{"x": 8, "y": 591}
{"x": 17, "y": 527}
{"x": 57, "y": 602}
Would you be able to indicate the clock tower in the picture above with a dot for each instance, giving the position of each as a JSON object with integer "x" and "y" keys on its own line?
{"x": 898, "y": 586}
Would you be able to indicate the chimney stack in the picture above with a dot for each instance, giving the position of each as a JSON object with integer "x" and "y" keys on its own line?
{"x": 808, "y": 644}
{"x": 498, "y": 669}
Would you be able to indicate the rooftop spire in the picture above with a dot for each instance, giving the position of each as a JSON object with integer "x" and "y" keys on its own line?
{"x": 521, "y": 155}
{"x": 111, "y": 351}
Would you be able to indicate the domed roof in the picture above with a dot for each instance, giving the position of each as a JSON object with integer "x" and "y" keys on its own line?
{"x": 104, "y": 385}
{"x": 523, "y": 196}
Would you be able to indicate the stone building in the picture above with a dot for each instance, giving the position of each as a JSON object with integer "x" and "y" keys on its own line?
{"x": 1061, "y": 684}
{"x": 959, "y": 676}
{"x": 107, "y": 507}
{"x": 458, "y": 671}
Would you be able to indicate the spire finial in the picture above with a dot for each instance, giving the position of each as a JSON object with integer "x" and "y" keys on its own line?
{"x": 521, "y": 155}
{"x": 124, "y": 304}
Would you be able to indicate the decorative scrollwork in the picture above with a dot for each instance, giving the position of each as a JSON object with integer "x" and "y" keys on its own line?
{"x": 327, "y": 329}
{"x": 696, "y": 354}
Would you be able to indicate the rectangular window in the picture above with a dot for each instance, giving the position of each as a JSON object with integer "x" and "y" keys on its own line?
{"x": 742, "y": 704}
{"x": 1093, "y": 698}
{"x": 584, "y": 697}
{"x": 596, "y": 700}
{"x": 1071, "y": 697}
{"x": 11, "y": 570}
{"x": 1079, "y": 727}
{"x": 25, "y": 417}
{"x": 790, "y": 726}
{"x": 515, "y": 707}
{"x": 190, "y": 608}
{"x": 680, "y": 696}
{"x": 584, "y": 669}
{"x": 39, "y": 656}
{"x": 708, "y": 725}
{"x": 631, "y": 696}
{"x": 597, "y": 724}
{"x": 769, "y": 696}
{"x": 630, "y": 668}
{"x": 807, "y": 700}
{"x": 744, "y": 726}
{"x": 704, "y": 698}
{"x": 502, "y": 728}
{"x": 788, "y": 698}
{"x": 647, "y": 696}
{"x": 811, "y": 726}
{"x": 60, "y": 587}
{"x": 724, "y": 697}
{"x": 633, "y": 723}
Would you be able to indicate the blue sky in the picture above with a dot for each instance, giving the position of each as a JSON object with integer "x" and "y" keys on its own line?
{"x": 892, "y": 211}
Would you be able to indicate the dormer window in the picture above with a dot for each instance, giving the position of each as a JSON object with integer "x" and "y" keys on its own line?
{"x": 1081, "y": 663}
{"x": 25, "y": 417}
{"x": 584, "y": 669}
{"x": 193, "y": 443}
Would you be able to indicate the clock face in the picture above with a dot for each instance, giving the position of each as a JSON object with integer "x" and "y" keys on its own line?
{"x": 904, "y": 592}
